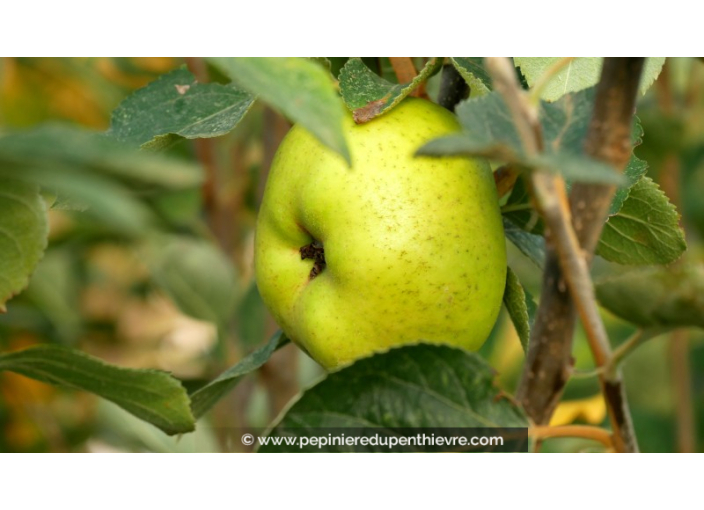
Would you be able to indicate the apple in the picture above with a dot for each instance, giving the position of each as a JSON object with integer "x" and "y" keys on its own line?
{"x": 393, "y": 250}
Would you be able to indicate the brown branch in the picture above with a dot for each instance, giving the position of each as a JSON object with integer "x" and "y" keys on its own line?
{"x": 608, "y": 139}
{"x": 404, "y": 69}
{"x": 603, "y": 436}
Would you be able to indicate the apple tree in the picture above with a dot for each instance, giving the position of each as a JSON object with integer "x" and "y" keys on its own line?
{"x": 595, "y": 242}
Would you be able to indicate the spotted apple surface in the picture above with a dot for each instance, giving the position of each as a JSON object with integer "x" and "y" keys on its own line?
{"x": 393, "y": 250}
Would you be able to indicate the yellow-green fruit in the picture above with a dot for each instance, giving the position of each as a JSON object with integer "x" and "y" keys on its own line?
{"x": 413, "y": 246}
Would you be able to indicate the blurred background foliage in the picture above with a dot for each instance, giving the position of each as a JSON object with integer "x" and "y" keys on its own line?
{"x": 112, "y": 294}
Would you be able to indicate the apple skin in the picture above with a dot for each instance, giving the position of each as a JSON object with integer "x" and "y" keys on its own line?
{"x": 414, "y": 246}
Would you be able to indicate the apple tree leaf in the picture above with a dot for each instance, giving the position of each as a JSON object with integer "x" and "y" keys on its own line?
{"x": 581, "y": 73}
{"x": 56, "y": 145}
{"x": 473, "y": 71}
{"x": 520, "y": 306}
{"x": 429, "y": 386}
{"x": 206, "y": 397}
{"x": 151, "y": 395}
{"x": 488, "y": 131}
{"x": 300, "y": 89}
{"x": 645, "y": 230}
{"x": 23, "y": 235}
{"x": 531, "y": 245}
{"x": 177, "y": 105}
{"x": 197, "y": 276}
{"x": 657, "y": 297}
{"x": 368, "y": 95}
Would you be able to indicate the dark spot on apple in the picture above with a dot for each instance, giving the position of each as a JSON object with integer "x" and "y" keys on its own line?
{"x": 316, "y": 252}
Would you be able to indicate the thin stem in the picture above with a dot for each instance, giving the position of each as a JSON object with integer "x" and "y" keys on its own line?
{"x": 622, "y": 351}
{"x": 581, "y": 431}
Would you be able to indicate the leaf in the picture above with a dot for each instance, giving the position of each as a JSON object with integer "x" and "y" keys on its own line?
{"x": 657, "y": 297}
{"x": 207, "y": 396}
{"x": 251, "y": 318}
{"x": 197, "y": 276}
{"x": 581, "y": 73}
{"x": 488, "y": 131}
{"x": 151, "y": 395}
{"x": 368, "y": 95}
{"x": 645, "y": 231}
{"x": 635, "y": 169}
{"x": 473, "y": 72}
{"x": 23, "y": 235}
{"x": 53, "y": 146}
{"x": 532, "y": 246}
{"x": 413, "y": 386}
{"x": 176, "y": 104}
{"x": 520, "y": 307}
{"x": 299, "y": 88}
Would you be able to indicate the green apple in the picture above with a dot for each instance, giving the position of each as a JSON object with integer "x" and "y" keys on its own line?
{"x": 394, "y": 250}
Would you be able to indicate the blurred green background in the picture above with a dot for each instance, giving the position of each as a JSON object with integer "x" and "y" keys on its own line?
{"x": 100, "y": 291}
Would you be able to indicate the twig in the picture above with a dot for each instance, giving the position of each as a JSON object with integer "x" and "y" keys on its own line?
{"x": 550, "y": 195}
{"x": 404, "y": 69}
{"x": 505, "y": 179}
{"x": 582, "y": 431}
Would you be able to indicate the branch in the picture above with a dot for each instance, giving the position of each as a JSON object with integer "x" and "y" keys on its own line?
{"x": 608, "y": 140}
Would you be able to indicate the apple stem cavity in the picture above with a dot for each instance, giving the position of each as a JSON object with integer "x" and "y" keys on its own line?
{"x": 316, "y": 252}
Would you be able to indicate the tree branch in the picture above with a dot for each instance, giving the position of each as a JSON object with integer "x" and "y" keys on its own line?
{"x": 608, "y": 139}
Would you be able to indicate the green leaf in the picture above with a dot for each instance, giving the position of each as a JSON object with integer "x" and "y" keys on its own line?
{"x": 23, "y": 235}
{"x": 207, "y": 396}
{"x": 251, "y": 318}
{"x": 520, "y": 211}
{"x": 55, "y": 146}
{"x": 532, "y": 246}
{"x": 473, "y": 71}
{"x": 645, "y": 231}
{"x": 635, "y": 169}
{"x": 300, "y": 89}
{"x": 413, "y": 386}
{"x": 659, "y": 297}
{"x": 581, "y": 73}
{"x": 520, "y": 306}
{"x": 197, "y": 276}
{"x": 176, "y": 104}
{"x": 368, "y": 95}
{"x": 151, "y": 395}
{"x": 488, "y": 131}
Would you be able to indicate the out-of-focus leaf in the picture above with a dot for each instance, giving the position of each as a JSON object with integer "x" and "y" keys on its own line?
{"x": 669, "y": 297}
{"x": 368, "y": 95}
{"x": 197, "y": 276}
{"x": 151, "y": 395}
{"x": 412, "y": 386}
{"x": 176, "y": 104}
{"x": 488, "y": 131}
{"x": 520, "y": 307}
{"x": 300, "y": 89}
{"x": 53, "y": 288}
{"x": 531, "y": 245}
{"x": 23, "y": 235}
{"x": 55, "y": 146}
{"x": 645, "y": 231}
{"x": 473, "y": 72}
{"x": 251, "y": 315}
{"x": 581, "y": 73}
{"x": 207, "y": 396}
